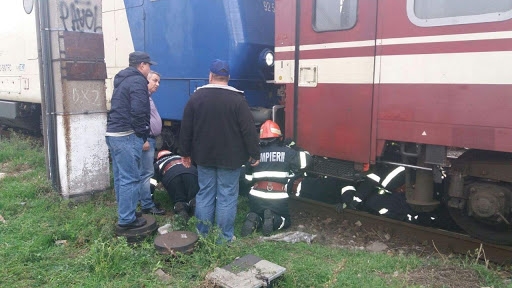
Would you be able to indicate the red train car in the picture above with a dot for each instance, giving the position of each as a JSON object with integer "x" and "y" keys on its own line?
{"x": 425, "y": 75}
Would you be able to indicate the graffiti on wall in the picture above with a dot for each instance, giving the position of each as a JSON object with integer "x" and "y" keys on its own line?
{"x": 80, "y": 15}
{"x": 87, "y": 96}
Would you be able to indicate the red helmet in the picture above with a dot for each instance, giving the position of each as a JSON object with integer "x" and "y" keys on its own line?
{"x": 270, "y": 129}
{"x": 163, "y": 153}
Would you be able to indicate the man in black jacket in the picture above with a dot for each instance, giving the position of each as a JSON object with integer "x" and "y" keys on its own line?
{"x": 268, "y": 198}
{"x": 127, "y": 130}
{"x": 218, "y": 133}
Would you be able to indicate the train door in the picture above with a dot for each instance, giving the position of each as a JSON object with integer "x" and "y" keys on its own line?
{"x": 325, "y": 52}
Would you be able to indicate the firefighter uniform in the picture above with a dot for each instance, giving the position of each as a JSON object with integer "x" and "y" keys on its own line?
{"x": 180, "y": 182}
{"x": 319, "y": 188}
{"x": 372, "y": 195}
{"x": 268, "y": 197}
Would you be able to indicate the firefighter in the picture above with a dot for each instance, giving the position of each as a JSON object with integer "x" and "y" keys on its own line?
{"x": 180, "y": 182}
{"x": 354, "y": 196}
{"x": 268, "y": 197}
{"x": 372, "y": 195}
{"x": 319, "y": 188}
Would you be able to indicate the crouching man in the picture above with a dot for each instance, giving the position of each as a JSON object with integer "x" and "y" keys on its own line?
{"x": 180, "y": 182}
{"x": 268, "y": 197}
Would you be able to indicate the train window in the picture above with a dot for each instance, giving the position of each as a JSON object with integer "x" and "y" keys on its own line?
{"x": 333, "y": 15}
{"x": 454, "y": 12}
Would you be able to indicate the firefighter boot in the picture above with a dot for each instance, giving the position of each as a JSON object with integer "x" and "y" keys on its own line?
{"x": 182, "y": 208}
{"x": 268, "y": 222}
{"x": 252, "y": 221}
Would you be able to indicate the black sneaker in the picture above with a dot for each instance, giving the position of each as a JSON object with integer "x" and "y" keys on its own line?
{"x": 139, "y": 222}
{"x": 252, "y": 221}
{"x": 268, "y": 222}
{"x": 154, "y": 211}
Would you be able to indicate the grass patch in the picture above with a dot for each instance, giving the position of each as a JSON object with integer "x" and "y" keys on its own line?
{"x": 36, "y": 218}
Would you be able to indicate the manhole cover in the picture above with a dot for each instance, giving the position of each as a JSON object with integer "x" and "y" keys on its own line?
{"x": 176, "y": 241}
{"x": 138, "y": 234}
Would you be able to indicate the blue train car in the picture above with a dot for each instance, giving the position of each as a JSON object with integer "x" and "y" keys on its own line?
{"x": 184, "y": 37}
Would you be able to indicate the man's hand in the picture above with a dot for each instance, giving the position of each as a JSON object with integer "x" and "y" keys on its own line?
{"x": 187, "y": 162}
{"x": 145, "y": 147}
{"x": 254, "y": 162}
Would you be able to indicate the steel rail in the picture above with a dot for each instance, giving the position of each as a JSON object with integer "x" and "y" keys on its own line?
{"x": 444, "y": 241}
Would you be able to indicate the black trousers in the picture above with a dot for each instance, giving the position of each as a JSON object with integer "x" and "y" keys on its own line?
{"x": 281, "y": 221}
{"x": 279, "y": 208}
{"x": 182, "y": 188}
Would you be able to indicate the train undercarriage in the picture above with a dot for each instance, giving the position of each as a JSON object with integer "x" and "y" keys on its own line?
{"x": 474, "y": 186}
{"x": 480, "y": 195}
{"x": 476, "y": 189}
{"x": 21, "y": 115}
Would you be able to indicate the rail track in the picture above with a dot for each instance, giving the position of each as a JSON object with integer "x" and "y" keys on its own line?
{"x": 442, "y": 240}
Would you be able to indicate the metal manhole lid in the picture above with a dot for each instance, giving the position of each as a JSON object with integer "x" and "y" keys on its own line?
{"x": 176, "y": 241}
{"x": 144, "y": 230}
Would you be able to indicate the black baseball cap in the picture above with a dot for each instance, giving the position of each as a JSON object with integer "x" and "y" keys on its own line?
{"x": 139, "y": 57}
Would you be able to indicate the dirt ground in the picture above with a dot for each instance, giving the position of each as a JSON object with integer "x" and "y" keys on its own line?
{"x": 332, "y": 230}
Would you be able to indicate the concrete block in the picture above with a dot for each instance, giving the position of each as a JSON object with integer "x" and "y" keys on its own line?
{"x": 246, "y": 272}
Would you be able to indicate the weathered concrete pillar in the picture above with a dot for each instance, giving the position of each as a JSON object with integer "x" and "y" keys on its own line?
{"x": 79, "y": 116}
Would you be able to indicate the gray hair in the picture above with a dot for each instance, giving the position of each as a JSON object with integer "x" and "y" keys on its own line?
{"x": 151, "y": 72}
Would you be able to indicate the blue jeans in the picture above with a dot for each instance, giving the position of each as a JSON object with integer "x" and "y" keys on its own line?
{"x": 217, "y": 199}
{"x": 146, "y": 172}
{"x": 126, "y": 154}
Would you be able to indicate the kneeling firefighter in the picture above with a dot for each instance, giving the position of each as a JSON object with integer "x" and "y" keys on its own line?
{"x": 268, "y": 197}
{"x": 180, "y": 182}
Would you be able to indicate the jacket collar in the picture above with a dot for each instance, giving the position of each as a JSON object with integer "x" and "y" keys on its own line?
{"x": 227, "y": 87}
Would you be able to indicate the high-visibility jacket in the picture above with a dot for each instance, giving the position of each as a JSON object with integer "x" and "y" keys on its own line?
{"x": 278, "y": 164}
{"x": 372, "y": 195}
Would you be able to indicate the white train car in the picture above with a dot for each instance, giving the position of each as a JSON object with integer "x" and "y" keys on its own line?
{"x": 20, "y": 67}
{"x": 20, "y": 89}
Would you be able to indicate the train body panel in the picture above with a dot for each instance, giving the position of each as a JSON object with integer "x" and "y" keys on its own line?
{"x": 416, "y": 77}
{"x": 20, "y": 88}
{"x": 117, "y": 39}
{"x": 440, "y": 83}
{"x": 184, "y": 37}
{"x": 329, "y": 74}
{"x": 445, "y": 78}
{"x": 19, "y": 62}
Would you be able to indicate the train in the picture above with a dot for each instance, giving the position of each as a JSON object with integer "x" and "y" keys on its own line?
{"x": 182, "y": 36}
{"x": 426, "y": 77}
{"x": 347, "y": 80}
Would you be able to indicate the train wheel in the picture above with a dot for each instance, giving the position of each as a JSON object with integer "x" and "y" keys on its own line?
{"x": 486, "y": 233}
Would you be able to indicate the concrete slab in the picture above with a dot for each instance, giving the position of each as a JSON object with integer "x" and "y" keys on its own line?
{"x": 246, "y": 272}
